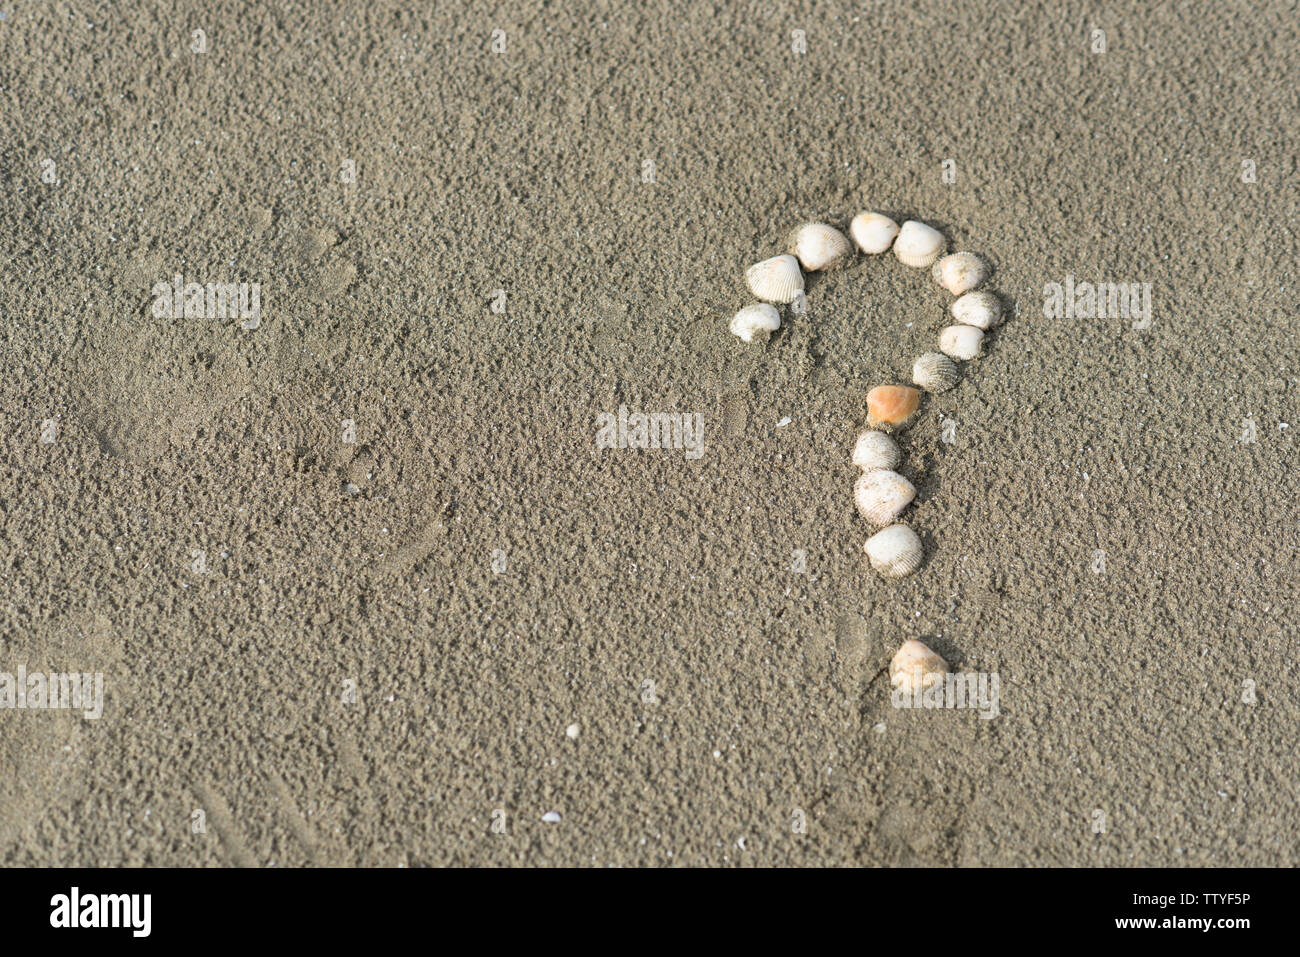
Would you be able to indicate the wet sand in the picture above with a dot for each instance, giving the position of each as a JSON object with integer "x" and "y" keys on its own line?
{"x": 350, "y": 574}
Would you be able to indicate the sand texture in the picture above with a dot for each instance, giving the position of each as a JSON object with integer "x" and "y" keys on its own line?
{"x": 350, "y": 575}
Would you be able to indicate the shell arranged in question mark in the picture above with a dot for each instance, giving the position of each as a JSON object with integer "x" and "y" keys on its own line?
{"x": 892, "y": 406}
{"x": 818, "y": 246}
{"x": 918, "y": 245}
{"x": 880, "y": 493}
{"x": 934, "y": 372}
{"x": 776, "y": 280}
{"x": 979, "y": 309}
{"x": 894, "y": 551}
{"x": 960, "y": 272}
{"x": 873, "y": 232}
{"x": 915, "y": 667}
{"x": 961, "y": 342}
{"x": 875, "y": 450}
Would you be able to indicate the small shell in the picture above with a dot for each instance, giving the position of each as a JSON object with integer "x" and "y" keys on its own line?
{"x": 961, "y": 342}
{"x": 918, "y": 245}
{"x": 756, "y": 321}
{"x": 875, "y": 450}
{"x": 915, "y": 666}
{"x": 895, "y": 551}
{"x": 934, "y": 372}
{"x": 775, "y": 280}
{"x": 892, "y": 405}
{"x": 874, "y": 233}
{"x": 819, "y": 246}
{"x": 979, "y": 309}
{"x": 881, "y": 495}
{"x": 960, "y": 272}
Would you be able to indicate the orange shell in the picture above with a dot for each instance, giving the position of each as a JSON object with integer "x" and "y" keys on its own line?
{"x": 892, "y": 404}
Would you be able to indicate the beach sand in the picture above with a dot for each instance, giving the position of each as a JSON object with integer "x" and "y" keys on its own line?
{"x": 297, "y": 672}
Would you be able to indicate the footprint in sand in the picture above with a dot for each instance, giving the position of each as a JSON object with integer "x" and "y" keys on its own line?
{"x": 47, "y": 753}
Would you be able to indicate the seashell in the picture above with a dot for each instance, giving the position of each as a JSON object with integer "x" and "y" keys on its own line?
{"x": 818, "y": 246}
{"x": 961, "y": 342}
{"x": 881, "y": 495}
{"x": 979, "y": 309}
{"x": 775, "y": 280}
{"x": 892, "y": 405}
{"x": 894, "y": 551}
{"x": 918, "y": 245}
{"x": 875, "y": 450}
{"x": 960, "y": 272}
{"x": 934, "y": 372}
{"x": 874, "y": 233}
{"x": 915, "y": 666}
{"x": 756, "y": 321}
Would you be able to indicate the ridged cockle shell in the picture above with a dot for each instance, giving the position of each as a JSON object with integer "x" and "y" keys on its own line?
{"x": 960, "y": 272}
{"x": 875, "y": 450}
{"x": 894, "y": 551}
{"x": 979, "y": 309}
{"x": 775, "y": 280}
{"x": 934, "y": 372}
{"x": 881, "y": 495}
{"x": 918, "y": 245}
{"x": 818, "y": 246}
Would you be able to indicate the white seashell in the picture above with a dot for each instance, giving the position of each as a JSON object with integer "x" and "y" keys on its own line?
{"x": 756, "y": 321}
{"x": 979, "y": 309}
{"x": 934, "y": 372}
{"x": 918, "y": 245}
{"x": 776, "y": 280}
{"x": 818, "y": 246}
{"x": 874, "y": 233}
{"x": 875, "y": 450}
{"x": 961, "y": 342}
{"x": 895, "y": 551}
{"x": 960, "y": 272}
{"x": 880, "y": 495}
{"x": 915, "y": 666}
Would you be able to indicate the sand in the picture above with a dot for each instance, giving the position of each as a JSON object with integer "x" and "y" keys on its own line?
{"x": 301, "y": 673}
